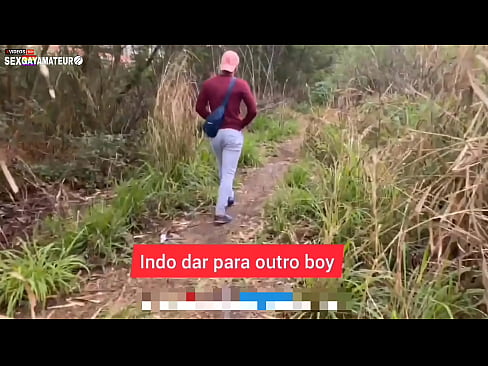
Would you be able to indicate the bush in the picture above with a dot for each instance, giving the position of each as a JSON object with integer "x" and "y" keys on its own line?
{"x": 35, "y": 273}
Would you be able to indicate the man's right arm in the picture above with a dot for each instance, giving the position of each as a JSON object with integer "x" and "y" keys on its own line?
{"x": 202, "y": 103}
{"x": 250, "y": 102}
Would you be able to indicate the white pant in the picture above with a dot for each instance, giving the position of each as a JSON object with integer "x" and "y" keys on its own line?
{"x": 227, "y": 146}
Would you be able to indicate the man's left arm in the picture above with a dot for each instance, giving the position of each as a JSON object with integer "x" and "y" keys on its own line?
{"x": 250, "y": 102}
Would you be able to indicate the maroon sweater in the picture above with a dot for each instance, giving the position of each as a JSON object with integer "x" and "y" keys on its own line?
{"x": 213, "y": 93}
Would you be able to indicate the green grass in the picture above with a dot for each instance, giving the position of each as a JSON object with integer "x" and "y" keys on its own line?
{"x": 252, "y": 155}
{"x": 40, "y": 270}
{"x": 369, "y": 199}
{"x": 267, "y": 132}
{"x": 332, "y": 201}
{"x": 290, "y": 207}
{"x": 271, "y": 130}
{"x": 299, "y": 175}
{"x": 379, "y": 294}
{"x": 102, "y": 233}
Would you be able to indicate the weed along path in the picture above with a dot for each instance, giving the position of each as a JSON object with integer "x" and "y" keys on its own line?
{"x": 115, "y": 295}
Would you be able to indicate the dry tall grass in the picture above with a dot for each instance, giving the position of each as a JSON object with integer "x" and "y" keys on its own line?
{"x": 402, "y": 179}
{"x": 442, "y": 166}
{"x": 173, "y": 128}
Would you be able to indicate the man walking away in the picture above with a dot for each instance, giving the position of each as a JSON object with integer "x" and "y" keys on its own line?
{"x": 227, "y": 144}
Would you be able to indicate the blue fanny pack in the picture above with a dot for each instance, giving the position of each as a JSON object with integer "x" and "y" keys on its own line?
{"x": 213, "y": 122}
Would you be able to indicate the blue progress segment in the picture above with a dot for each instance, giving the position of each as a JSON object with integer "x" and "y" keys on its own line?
{"x": 263, "y": 297}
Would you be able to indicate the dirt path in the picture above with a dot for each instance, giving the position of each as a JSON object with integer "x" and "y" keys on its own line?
{"x": 114, "y": 291}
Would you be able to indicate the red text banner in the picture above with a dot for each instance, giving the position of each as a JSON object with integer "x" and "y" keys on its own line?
{"x": 237, "y": 261}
